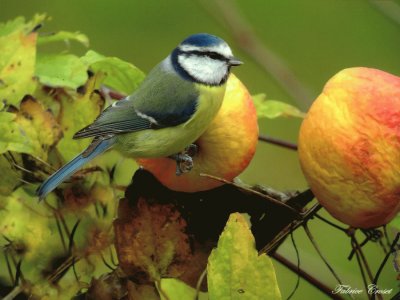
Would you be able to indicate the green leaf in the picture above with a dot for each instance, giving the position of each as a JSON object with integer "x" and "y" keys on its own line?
{"x": 19, "y": 24}
{"x": 12, "y": 138}
{"x": 32, "y": 130}
{"x": 61, "y": 70}
{"x": 175, "y": 289}
{"x": 17, "y": 64}
{"x": 235, "y": 270}
{"x": 64, "y": 36}
{"x": 395, "y": 223}
{"x": 92, "y": 57}
{"x": 120, "y": 75}
{"x": 272, "y": 109}
{"x": 38, "y": 126}
{"x": 27, "y": 226}
{"x": 78, "y": 111}
{"x": 11, "y": 26}
{"x": 9, "y": 177}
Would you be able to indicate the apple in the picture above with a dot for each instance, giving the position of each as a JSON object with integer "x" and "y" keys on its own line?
{"x": 349, "y": 147}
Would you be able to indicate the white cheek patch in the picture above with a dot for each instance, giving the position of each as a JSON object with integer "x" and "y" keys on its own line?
{"x": 203, "y": 68}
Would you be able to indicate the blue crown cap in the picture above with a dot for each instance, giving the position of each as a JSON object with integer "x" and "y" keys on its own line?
{"x": 203, "y": 40}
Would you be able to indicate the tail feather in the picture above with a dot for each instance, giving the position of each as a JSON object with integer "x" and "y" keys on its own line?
{"x": 71, "y": 167}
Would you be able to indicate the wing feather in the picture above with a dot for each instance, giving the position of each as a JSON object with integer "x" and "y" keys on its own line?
{"x": 162, "y": 100}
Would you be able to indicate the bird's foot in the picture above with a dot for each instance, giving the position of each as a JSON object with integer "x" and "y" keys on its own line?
{"x": 184, "y": 159}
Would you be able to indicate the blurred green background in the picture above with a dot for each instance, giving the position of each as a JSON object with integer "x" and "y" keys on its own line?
{"x": 313, "y": 38}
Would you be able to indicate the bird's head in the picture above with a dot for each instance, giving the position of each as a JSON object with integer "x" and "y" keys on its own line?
{"x": 204, "y": 58}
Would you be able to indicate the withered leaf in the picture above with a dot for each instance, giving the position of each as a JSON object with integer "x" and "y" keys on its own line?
{"x": 151, "y": 241}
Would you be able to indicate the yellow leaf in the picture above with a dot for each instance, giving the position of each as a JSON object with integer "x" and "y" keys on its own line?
{"x": 235, "y": 270}
{"x": 78, "y": 111}
{"x": 38, "y": 127}
{"x": 12, "y": 138}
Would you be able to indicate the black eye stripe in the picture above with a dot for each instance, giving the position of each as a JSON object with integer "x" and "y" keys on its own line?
{"x": 211, "y": 54}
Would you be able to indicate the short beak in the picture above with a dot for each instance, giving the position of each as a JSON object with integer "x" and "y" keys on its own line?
{"x": 233, "y": 61}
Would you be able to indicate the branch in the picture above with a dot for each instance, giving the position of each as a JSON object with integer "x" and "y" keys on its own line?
{"x": 306, "y": 276}
{"x": 389, "y": 9}
{"x": 289, "y": 228}
{"x": 277, "y": 142}
{"x": 316, "y": 247}
{"x": 251, "y": 191}
{"x": 227, "y": 13}
{"x": 14, "y": 293}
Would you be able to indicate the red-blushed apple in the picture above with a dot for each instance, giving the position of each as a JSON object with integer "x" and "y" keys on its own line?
{"x": 349, "y": 147}
{"x": 224, "y": 150}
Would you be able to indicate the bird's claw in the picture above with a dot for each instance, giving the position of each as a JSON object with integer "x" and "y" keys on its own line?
{"x": 184, "y": 159}
{"x": 184, "y": 164}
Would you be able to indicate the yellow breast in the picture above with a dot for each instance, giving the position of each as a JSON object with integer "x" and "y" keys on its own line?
{"x": 171, "y": 140}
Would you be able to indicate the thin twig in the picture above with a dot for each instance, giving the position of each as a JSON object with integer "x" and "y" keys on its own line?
{"x": 361, "y": 268}
{"x": 298, "y": 266}
{"x": 227, "y": 13}
{"x": 112, "y": 257}
{"x": 71, "y": 237}
{"x": 385, "y": 233}
{"x": 392, "y": 249}
{"x": 60, "y": 232}
{"x": 105, "y": 262}
{"x": 289, "y": 228}
{"x": 277, "y": 142}
{"x": 382, "y": 246}
{"x": 330, "y": 223}
{"x": 199, "y": 283}
{"x": 363, "y": 243}
{"x": 243, "y": 188}
{"x": 14, "y": 163}
{"x": 389, "y": 9}
{"x": 64, "y": 223}
{"x": 74, "y": 270}
{"x": 14, "y": 293}
{"x": 25, "y": 181}
{"x": 43, "y": 162}
{"x": 316, "y": 247}
{"x": 18, "y": 273}
{"x": 306, "y": 276}
{"x": 362, "y": 256}
{"x": 10, "y": 273}
{"x": 63, "y": 267}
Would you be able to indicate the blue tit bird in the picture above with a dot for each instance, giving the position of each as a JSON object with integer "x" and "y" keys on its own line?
{"x": 170, "y": 110}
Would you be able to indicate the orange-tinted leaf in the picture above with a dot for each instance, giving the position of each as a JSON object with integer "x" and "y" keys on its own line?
{"x": 38, "y": 126}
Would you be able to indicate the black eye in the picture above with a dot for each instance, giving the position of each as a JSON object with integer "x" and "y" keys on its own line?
{"x": 214, "y": 55}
